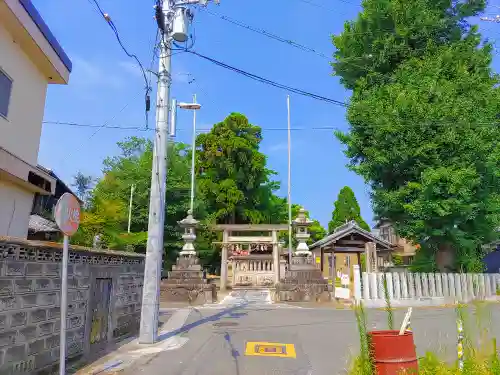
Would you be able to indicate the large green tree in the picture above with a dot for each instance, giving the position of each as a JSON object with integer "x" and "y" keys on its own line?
{"x": 107, "y": 213}
{"x": 233, "y": 185}
{"x": 232, "y": 174}
{"x": 346, "y": 208}
{"x": 83, "y": 184}
{"x": 424, "y": 124}
{"x": 389, "y": 32}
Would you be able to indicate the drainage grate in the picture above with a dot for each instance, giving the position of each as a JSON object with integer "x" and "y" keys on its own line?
{"x": 225, "y": 324}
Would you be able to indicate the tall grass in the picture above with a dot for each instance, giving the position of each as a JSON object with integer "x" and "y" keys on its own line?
{"x": 480, "y": 349}
{"x": 388, "y": 307}
{"x": 362, "y": 364}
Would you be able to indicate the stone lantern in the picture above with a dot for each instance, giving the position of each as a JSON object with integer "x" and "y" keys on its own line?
{"x": 301, "y": 223}
{"x": 189, "y": 224}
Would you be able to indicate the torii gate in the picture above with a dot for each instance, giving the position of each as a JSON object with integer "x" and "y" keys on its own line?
{"x": 255, "y": 260}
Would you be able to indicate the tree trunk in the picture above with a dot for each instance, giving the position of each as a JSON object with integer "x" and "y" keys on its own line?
{"x": 445, "y": 258}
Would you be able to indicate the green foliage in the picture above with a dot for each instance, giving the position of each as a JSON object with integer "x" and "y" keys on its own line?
{"x": 232, "y": 173}
{"x": 108, "y": 206}
{"x": 389, "y": 32}
{"x": 82, "y": 184}
{"x": 233, "y": 185}
{"x": 424, "y": 115}
{"x": 362, "y": 364}
{"x": 397, "y": 260}
{"x": 105, "y": 217}
{"x": 346, "y": 209}
{"x": 388, "y": 307}
{"x": 480, "y": 349}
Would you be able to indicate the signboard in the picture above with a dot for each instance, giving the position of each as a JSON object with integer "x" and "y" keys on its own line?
{"x": 344, "y": 280}
{"x": 318, "y": 260}
{"x": 67, "y": 214}
{"x": 342, "y": 293}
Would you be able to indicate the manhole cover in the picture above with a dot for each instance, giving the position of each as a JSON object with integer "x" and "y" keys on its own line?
{"x": 225, "y": 324}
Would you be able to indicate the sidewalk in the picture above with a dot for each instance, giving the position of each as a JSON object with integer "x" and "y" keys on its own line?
{"x": 131, "y": 352}
{"x": 173, "y": 316}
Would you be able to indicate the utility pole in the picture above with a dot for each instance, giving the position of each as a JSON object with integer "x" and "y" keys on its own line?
{"x": 193, "y": 152}
{"x": 154, "y": 249}
{"x": 132, "y": 188}
{"x": 289, "y": 186}
{"x": 173, "y": 19}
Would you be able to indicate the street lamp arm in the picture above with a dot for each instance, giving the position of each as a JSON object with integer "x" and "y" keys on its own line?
{"x": 193, "y": 106}
{"x": 193, "y": 2}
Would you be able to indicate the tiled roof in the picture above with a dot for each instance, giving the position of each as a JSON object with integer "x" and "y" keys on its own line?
{"x": 347, "y": 228}
{"x": 40, "y": 224}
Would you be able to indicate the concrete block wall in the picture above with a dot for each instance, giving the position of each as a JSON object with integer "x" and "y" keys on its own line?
{"x": 30, "y": 283}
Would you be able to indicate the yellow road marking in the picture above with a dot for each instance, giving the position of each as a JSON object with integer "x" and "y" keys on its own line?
{"x": 270, "y": 349}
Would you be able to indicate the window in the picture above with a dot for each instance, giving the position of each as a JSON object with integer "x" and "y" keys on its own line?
{"x": 384, "y": 233}
{"x": 5, "y": 89}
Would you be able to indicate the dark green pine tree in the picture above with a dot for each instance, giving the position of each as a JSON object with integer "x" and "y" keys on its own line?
{"x": 346, "y": 209}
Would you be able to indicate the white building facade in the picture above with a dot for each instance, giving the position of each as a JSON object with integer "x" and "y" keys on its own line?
{"x": 30, "y": 60}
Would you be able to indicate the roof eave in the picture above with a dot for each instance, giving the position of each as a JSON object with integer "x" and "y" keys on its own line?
{"x": 333, "y": 236}
{"x": 28, "y": 30}
{"x": 45, "y": 30}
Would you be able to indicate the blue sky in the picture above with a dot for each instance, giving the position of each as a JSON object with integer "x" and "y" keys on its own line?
{"x": 106, "y": 87}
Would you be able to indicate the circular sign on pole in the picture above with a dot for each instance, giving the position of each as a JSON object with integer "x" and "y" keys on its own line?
{"x": 67, "y": 214}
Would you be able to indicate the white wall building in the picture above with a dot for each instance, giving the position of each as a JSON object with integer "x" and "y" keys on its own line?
{"x": 30, "y": 60}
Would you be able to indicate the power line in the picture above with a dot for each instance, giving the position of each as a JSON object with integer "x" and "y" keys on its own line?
{"x": 113, "y": 27}
{"x": 314, "y": 128}
{"x": 269, "y": 82}
{"x": 75, "y": 124}
{"x": 266, "y": 33}
{"x": 105, "y": 126}
{"x": 314, "y": 4}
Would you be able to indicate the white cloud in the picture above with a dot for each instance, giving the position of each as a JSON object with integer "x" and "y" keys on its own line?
{"x": 278, "y": 147}
{"x": 131, "y": 68}
{"x": 183, "y": 77}
{"x": 89, "y": 74}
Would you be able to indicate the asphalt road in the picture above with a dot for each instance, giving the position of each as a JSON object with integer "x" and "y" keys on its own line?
{"x": 324, "y": 340}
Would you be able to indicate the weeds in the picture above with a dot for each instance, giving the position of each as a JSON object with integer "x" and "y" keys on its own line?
{"x": 388, "y": 307}
{"x": 480, "y": 350}
{"x": 362, "y": 364}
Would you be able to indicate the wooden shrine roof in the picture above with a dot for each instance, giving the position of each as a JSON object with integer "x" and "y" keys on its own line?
{"x": 350, "y": 237}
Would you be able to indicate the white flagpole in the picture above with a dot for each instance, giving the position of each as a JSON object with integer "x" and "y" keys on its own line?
{"x": 289, "y": 187}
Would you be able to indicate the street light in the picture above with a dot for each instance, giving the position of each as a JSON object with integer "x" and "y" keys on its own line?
{"x": 194, "y": 107}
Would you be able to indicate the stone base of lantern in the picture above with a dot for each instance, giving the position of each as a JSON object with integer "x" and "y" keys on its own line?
{"x": 303, "y": 282}
{"x": 185, "y": 283}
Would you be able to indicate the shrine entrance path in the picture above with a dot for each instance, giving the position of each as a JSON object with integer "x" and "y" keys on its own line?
{"x": 267, "y": 339}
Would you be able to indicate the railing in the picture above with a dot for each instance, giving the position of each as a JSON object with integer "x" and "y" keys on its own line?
{"x": 402, "y": 286}
{"x": 298, "y": 260}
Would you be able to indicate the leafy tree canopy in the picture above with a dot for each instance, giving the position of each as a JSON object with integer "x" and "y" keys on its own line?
{"x": 233, "y": 177}
{"x": 108, "y": 208}
{"x": 426, "y": 139}
{"x": 389, "y": 32}
{"x": 346, "y": 208}
{"x": 83, "y": 184}
{"x": 233, "y": 185}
